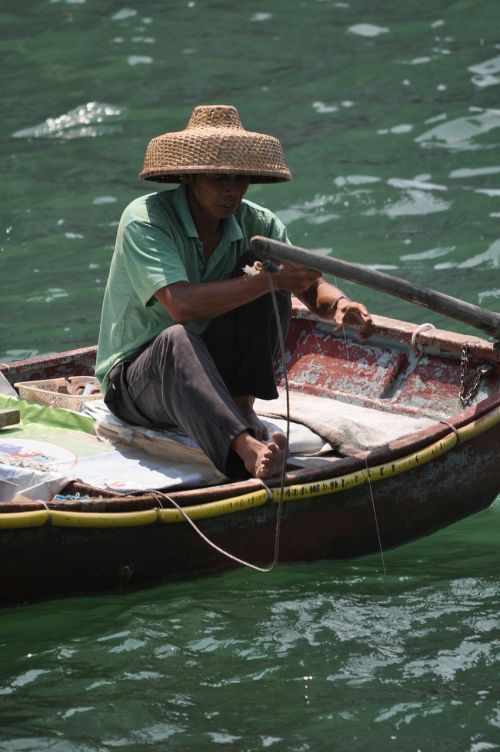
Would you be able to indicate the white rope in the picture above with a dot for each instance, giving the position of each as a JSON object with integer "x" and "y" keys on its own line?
{"x": 210, "y": 542}
{"x": 279, "y": 516}
{"x": 453, "y": 428}
{"x": 418, "y": 330}
{"x": 287, "y": 443}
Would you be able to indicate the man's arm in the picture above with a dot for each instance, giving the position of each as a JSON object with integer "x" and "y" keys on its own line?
{"x": 330, "y": 303}
{"x": 188, "y": 301}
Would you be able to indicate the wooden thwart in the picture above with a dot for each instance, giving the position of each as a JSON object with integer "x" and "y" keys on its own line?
{"x": 9, "y": 417}
{"x": 486, "y": 321}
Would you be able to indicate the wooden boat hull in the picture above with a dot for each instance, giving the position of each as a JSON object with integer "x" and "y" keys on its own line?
{"x": 378, "y": 499}
{"x": 50, "y": 561}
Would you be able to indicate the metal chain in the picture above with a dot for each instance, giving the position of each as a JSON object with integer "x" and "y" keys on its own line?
{"x": 468, "y": 394}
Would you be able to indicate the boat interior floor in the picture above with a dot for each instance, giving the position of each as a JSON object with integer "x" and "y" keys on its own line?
{"x": 321, "y": 431}
{"x": 38, "y": 461}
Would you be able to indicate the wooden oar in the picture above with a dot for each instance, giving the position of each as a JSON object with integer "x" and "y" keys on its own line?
{"x": 486, "y": 321}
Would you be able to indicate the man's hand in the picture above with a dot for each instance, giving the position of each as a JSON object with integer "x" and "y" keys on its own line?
{"x": 293, "y": 278}
{"x": 330, "y": 303}
{"x": 349, "y": 313}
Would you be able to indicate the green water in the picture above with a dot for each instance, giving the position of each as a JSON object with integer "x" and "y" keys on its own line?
{"x": 389, "y": 114}
{"x": 330, "y": 656}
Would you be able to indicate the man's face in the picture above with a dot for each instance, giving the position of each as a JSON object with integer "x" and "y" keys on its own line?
{"x": 218, "y": 196}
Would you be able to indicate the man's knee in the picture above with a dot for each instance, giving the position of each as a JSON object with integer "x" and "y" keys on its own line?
{"x": 179, "y": 348}
{"x": 175, "y": 339}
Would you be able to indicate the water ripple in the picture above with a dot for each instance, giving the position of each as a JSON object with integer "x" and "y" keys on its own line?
{"x": 472, "y": 172}
{"x": 487, "y": 73}
{"x": 83, "y": 121}
{"x": 417, "y": 202}
{"x": 415, "y": 184}
{"x": 123, "y": 14}
{"x": 490, "y": 258}
{"x": 432, "y": 253}
{"x": 139, "y": 60}
{"x": 368, "y": 30}
{"x": 460, "y": 133}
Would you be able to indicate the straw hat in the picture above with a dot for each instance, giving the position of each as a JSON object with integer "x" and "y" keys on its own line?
{"x": 215, "y": 142}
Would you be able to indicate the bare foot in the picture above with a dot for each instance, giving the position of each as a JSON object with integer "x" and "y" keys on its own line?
{"x": 261, "y": 460}
{"x": 246, "y": 406}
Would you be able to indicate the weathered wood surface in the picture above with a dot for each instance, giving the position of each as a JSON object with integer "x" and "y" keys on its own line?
{"x": 480, "y": 318}
{"x": 9, "y": 417}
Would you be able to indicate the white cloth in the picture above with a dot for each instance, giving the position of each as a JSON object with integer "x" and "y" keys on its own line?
{"x": 177, "y": 446}
{"x": 348, "y": 428}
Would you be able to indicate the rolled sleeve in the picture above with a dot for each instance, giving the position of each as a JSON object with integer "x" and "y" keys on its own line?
{"x": 151, "y": 259}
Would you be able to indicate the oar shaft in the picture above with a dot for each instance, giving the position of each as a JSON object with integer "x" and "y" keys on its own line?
{"x": 486, "y": 321}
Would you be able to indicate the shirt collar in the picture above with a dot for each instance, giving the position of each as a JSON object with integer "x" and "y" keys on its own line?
{"x": 231, "y": 229}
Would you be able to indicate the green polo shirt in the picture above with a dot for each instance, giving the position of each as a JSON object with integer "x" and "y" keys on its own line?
{"x": 156, "y": 245}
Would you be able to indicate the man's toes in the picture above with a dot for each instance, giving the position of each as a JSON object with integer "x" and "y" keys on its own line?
{"x": 280, "y": 440}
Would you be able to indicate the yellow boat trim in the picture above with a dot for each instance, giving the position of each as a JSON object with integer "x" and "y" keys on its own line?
{"x": 37, "y": 518}
{"x": 215, "y": 508}
{"x": 387, "y": 470}
{"x": 103, "y": 519}
{"x": 14, "y": 520}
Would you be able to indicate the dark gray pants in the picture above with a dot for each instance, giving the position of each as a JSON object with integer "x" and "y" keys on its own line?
{"x": 188, "y": 381}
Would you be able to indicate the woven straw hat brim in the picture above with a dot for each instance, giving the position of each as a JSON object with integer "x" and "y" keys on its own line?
{"x": 215, "y": 150}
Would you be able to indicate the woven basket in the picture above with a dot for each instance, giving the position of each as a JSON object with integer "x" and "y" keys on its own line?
{"x": 66, "y": 393}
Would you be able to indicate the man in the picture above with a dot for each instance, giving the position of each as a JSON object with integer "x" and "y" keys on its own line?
{"x": 186, "y": 338}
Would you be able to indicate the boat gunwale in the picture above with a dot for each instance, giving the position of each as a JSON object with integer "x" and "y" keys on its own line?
{"x": 231, "y": 493}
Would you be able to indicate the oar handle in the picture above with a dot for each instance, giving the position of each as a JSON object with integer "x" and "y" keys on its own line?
{"x": 486, "y": 321}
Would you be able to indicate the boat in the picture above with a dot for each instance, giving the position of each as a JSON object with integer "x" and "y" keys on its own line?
{"x": 356, "y": 498}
